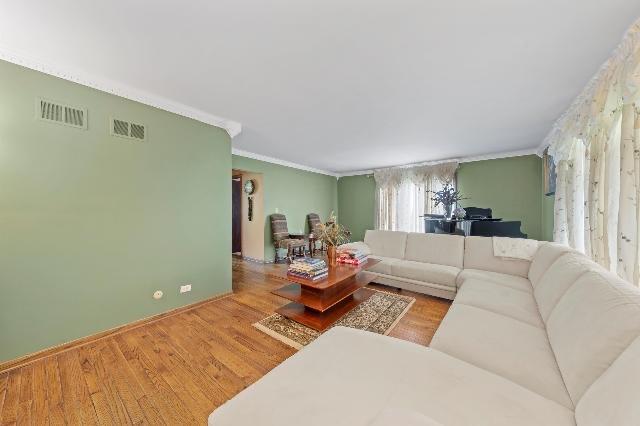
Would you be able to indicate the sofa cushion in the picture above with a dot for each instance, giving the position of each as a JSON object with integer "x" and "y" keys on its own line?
{"x": 613, "y": 398}
{"x": 349, "y": 377}
{"x": 512, "y": 281}
{"x": 478, "y": 254}
{"x": 555, "y": 282}
{"x": 441, "y": 249}
{"x": 510, "y": 348}
{"x": 516, "y": 304}
{"x": 427, "y": 272}
{"x": 384, "y": 267}
{"x": 386, "y": 243}
{"x": 545, "y": 256}
{"x": 592, "y": 324}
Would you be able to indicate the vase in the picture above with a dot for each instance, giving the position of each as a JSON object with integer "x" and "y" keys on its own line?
{"x": 332, "y": 255}
{"x": 447, "y": 211}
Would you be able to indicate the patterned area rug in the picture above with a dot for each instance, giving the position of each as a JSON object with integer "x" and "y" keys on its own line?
{"x": 378, "y": 314}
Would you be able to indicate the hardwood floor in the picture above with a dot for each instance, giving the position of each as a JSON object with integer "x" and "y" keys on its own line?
{"x": 175, "y": 370}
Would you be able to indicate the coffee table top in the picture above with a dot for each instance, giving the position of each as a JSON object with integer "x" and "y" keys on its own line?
{"x": 337, "y": 274}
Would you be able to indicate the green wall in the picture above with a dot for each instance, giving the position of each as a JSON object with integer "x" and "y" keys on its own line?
{"x": 548, "y": 203}
{"x": 512, "y": 187}
{"x": 91, "y": 225}
{"x": 294, "y": 192}
{"x": 356, "y": 198}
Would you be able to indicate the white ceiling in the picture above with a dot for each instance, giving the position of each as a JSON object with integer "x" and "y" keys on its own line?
{"x": 340, "y": 85}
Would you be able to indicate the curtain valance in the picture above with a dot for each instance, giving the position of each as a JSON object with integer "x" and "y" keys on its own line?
{"x": 598, "y": 107}
{"x": 393, "y": 177}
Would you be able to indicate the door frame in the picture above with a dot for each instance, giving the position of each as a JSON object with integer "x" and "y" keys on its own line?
{"x": 233, "y": 178}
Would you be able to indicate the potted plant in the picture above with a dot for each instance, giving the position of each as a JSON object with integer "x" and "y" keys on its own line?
{"x": 447, "y": 196}
{"x": 332, "y": 234}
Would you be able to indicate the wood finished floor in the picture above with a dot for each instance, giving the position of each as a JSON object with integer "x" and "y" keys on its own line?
{"x": 176, "y": 370}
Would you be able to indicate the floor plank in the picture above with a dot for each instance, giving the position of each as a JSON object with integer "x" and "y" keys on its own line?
{"x": 175, "y": 370}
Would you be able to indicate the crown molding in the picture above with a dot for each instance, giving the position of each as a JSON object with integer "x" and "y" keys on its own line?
{"x": 494, "y": 156}
{"x": 233, "y": 128}
{"x": 273, "y": 160}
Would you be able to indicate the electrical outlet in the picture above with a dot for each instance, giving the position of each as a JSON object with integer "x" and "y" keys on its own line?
{"x": 185, "y": 288}
{"x": 158, "y": 295}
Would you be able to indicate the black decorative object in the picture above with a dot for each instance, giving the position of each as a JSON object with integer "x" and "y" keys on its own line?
{"x": 549, "y": 174}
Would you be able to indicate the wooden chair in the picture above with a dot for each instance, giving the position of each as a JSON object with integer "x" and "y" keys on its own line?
{"x": 313, "y": 220}
{"x": 282, "y": 239}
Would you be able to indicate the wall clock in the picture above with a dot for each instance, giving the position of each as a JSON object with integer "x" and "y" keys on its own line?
{"x": 249, "y": 189}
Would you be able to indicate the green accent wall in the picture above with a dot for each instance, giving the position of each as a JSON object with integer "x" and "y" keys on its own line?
{"x": 512, "y": 187}
{"x": 294, "y": 192}
{"x": 356, "y": 198}
{"x": 91, "y": 225}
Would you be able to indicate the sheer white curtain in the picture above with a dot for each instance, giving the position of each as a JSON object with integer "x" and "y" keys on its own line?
{"x": 596, "y": 146}
{"x": 402, "y": 195}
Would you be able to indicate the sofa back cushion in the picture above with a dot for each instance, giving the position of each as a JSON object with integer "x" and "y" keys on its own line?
{"x": 592, "y": 324}
{"x": 613, "y": 398}
{"x": 478, "y": 254}
{"x": 386, "y": 243}
{"x": 441, "y": 249}
{"x": 545, "y": 256}
{"x": 561, "y": 275}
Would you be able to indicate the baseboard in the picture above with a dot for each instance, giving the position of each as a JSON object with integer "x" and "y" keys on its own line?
{"x": 253, "y": 259}
{"x": 55, "y": 350}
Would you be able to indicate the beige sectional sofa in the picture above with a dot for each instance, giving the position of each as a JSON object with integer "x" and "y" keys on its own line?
{"x": 553, "y": 341}
{"x": 426, "y": 263}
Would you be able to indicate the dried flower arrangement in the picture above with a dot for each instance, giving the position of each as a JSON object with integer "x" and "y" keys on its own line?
{"x": 447, "y": 196}
{"x": 331, "y": 233}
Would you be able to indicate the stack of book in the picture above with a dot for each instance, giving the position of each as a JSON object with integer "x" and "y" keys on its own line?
{"x": 308, "y": 268}
{"x": 352, "y": 256}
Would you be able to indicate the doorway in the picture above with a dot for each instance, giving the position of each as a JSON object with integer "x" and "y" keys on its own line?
{"x": 236, "y": 215}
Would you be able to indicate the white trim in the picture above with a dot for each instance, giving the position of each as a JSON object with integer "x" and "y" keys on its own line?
{"x": 260, "y": 157}
{"x": 233, "y": 128}
{"x": 483, "y": 157}
{"x": 273, "y": 160}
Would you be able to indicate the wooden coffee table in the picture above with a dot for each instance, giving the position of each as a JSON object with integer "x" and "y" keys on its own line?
{"x": 321, "y": 303}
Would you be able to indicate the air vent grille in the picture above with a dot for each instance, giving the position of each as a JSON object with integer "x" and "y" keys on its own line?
{"x": 120, "y": 128}
{"x": 59, "y": 113}
{"x": 137, "y": 131}
{"x": 125, "y": 129}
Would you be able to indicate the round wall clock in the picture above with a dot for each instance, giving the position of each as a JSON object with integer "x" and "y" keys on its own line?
{"x": 249, "y": 187}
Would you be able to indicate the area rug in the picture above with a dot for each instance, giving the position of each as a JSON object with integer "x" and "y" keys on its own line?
{"x": 378, "y": 314}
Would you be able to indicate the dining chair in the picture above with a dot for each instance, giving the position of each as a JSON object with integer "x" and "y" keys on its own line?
{"x": 282, "y": 239}
{"x": 313, "y": 220}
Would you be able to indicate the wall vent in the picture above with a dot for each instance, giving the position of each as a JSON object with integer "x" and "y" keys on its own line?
{"x": 128, "y": 130}
{"x": 59, "y": 113}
